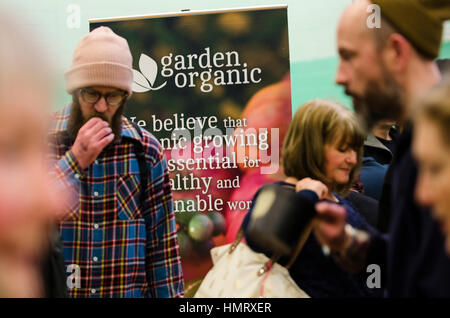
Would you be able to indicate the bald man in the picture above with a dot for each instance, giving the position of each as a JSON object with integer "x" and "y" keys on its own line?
{"x": 385, "y": 70}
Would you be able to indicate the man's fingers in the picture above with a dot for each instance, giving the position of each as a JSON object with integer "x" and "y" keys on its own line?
{"x": 331, "y": 231}
{"x": 329, "y": 225}
{"x": 93, "y": 125}
{"x": 102, "y": 143}
{"x": 102, "y": 133}
{"x": 92, "y": 122}
{"x": 328, "y": 209}
{"x": 99, "y": 125}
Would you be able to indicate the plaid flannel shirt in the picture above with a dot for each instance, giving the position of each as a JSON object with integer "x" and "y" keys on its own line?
{"x": 117, "y": 249}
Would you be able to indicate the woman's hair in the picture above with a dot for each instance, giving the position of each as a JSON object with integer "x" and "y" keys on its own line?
{"x": 435, "y": 107}
{"x": 315, "y": 124}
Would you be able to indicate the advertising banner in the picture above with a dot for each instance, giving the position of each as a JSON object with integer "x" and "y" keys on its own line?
{"x": 214, "y": 88}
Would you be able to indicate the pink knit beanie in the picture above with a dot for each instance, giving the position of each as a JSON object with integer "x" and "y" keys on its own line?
{"x": 101, "y": 58}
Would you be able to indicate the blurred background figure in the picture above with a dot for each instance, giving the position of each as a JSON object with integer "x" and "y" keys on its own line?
{"x": 398, "y": 61}
{"x": 27, "y": 202}
{"x": 371, "y": 171}
{"x": 385, "y": 132}
{"x": 431, "y": 148}
{"x": 378, "y": 153}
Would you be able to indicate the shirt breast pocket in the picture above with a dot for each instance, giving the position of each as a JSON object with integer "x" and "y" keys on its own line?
{"x": 128, "y": 197}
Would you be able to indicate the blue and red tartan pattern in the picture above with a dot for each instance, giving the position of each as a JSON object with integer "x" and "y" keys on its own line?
{"x": 104, "y": 231}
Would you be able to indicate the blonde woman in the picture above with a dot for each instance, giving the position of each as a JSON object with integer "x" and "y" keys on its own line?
{"x": 321, "y": 156}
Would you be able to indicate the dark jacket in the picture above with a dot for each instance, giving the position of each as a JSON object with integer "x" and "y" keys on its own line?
{"x": 412, "y": 255}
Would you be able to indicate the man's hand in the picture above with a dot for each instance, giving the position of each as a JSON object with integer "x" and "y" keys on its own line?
{"x": 329, "y": 226}
{"x": 92, "y": 138}
{"x": 314, "y": 185}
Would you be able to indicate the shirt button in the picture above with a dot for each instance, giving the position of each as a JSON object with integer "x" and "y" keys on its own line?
{"x": 96, "y": 194}
{"x": 96, "y": 226}
{"x": 96, "y": 162}
{"x": 77, "y": 176}
{"x": 95, "y": 258}
{"x": 93, "y": 291}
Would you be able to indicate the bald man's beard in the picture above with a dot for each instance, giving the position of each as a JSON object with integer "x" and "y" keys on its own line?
{"x": 380, "y": 102}
{"x": 77, "y": 120}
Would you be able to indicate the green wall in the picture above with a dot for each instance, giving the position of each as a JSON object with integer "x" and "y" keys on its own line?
{"x": 315, "y": 79}
{"x": 312, "y": 26}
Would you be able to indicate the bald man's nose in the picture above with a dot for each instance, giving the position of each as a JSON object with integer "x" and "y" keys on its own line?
{"x": 341, "y": 77}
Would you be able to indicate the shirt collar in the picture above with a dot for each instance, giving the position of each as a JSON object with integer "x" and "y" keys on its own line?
{"x": 128, "y": 130}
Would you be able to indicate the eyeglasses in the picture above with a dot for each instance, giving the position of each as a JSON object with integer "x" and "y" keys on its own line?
{"x": 92, "y": 96}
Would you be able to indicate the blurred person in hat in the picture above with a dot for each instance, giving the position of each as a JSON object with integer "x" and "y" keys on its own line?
{"x": 431, "y": 148}
{"x": 378, "y": 152}
{"x": 385, "y": 70}
{"x": 119, "y": 236}
{"x": 29, "y": 267}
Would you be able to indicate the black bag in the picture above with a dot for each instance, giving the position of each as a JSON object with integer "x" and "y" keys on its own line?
{"x": 279, "y": 220}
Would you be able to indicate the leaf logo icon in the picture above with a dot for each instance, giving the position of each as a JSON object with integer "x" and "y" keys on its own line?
{"x": 144, "y": 80}
{"x": 140, "y": 83}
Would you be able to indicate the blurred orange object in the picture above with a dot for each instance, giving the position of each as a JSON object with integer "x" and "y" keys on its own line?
{"x": 269, "y": 108}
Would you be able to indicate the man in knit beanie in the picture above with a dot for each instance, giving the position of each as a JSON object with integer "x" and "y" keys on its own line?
{"x": 386, "y": 70}
{"x": 119, "y": 232}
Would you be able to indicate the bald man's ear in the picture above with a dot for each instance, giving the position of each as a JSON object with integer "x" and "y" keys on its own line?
{"x": 397, "y": 53}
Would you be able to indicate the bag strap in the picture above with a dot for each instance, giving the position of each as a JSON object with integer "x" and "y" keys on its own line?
{"x": 267, "y": 266}
{"x": 140, "y": 156}
{"x": 237, "y": 240}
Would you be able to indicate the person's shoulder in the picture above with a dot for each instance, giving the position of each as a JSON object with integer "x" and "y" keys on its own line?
{"x": 59, "y": 119}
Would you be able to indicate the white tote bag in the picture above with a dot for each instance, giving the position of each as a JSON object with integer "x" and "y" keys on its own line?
{"x": 239, "y": 272}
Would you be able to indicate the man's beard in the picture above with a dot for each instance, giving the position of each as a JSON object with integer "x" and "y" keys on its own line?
{"x": 379, "y": 103}
{"x": 77, "y": 120}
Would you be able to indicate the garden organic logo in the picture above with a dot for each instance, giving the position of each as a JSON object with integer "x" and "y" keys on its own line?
{"x": 206, "y": 70}
{"x": 144, "y": 80}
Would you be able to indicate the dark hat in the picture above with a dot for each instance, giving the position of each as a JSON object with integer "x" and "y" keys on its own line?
{"x": 420, "y": 21}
